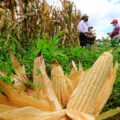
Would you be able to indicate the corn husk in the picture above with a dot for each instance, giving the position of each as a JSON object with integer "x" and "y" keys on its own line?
{"x": 21, "y": 99}
{"x": 49, "y": 90}
{"x": 19, "y": 70}
{"x": 5, "y": 108}
{"x": 75, "y": 115}
{"x": 108, "y": 114}
{"x": 31, "y": 113}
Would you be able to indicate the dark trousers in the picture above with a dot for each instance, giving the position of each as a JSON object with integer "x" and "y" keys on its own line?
{"x": 85, "y": 40}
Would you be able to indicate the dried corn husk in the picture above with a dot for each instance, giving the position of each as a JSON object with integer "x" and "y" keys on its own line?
{"x": 4, "y": 100}
{"x": 75, "y": 77}
{"x": 37, "y": 77}
{"x": 108, "y": 114}
{"x": 2, "y": 14}
{"x": 74, "y": 69}
{"x": 69, "y": 85}
{"x": 21, "y": 99}
{"x": 19, "y": 70}
{"x": 80, "y": 68}
{"x": 31, "y": 113}
{"x": 75, "y": 115}
{"x": 49, "y": 90}
{"x": 5, "y": 108}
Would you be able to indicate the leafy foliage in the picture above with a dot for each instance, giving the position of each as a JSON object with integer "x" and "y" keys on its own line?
{"x": 64, "y": 55}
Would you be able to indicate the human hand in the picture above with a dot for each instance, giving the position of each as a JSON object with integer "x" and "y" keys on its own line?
{"x": 108, "y": 33}
{"x": 88, "y": 33}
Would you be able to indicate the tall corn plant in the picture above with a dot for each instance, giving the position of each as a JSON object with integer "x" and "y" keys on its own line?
{"x": 27, "y": 17}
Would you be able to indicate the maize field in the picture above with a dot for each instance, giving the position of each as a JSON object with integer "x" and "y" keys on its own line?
{"x": 30, "y": 16}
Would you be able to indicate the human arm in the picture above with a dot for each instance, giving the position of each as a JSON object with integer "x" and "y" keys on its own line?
{"x": 114, "y": 32}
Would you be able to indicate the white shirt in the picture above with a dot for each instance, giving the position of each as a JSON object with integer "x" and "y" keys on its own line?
{"x": 82, "y": 27}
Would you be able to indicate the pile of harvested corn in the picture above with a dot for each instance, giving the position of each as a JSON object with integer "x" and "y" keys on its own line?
{"x": 80, "y": 96}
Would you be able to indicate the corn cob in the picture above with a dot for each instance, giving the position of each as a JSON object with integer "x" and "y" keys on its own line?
{"x": 59, "y": 83}
{"x": 75, "y": 115}
{"x": 90, "y": 85}
{"x": 104, "y": 93}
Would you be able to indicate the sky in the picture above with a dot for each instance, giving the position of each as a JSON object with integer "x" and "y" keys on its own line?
{"x": 100, "y": 12}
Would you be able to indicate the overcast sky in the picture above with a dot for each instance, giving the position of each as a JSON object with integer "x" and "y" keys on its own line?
{"x": 101, "y": 13}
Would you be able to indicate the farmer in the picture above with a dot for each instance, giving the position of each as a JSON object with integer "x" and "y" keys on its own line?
{"x": 84, "y": 33}
{"x": 116, "y": 30}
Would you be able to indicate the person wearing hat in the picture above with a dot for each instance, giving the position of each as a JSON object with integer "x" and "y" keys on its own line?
{"x": 83, "y": 31}
{"x": 116, "y": 30}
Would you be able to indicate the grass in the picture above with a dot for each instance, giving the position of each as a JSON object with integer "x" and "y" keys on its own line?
{"x": 51, "y": 50}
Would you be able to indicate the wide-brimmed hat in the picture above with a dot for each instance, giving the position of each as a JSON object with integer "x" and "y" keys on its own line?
{"x": 85, "y": 15}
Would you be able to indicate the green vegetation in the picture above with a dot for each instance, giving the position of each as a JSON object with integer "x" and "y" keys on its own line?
{"x": 51, "y": 49}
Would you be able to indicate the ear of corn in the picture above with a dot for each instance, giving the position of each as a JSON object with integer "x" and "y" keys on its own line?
{"x": 90, "y": 85}
{"x": 59, "y": 83}
{"x": 75, "y": 115}
{"x": 104, "y": 93}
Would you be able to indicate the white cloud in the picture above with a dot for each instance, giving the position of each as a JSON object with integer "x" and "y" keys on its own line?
{"x": 101, "y": 13}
